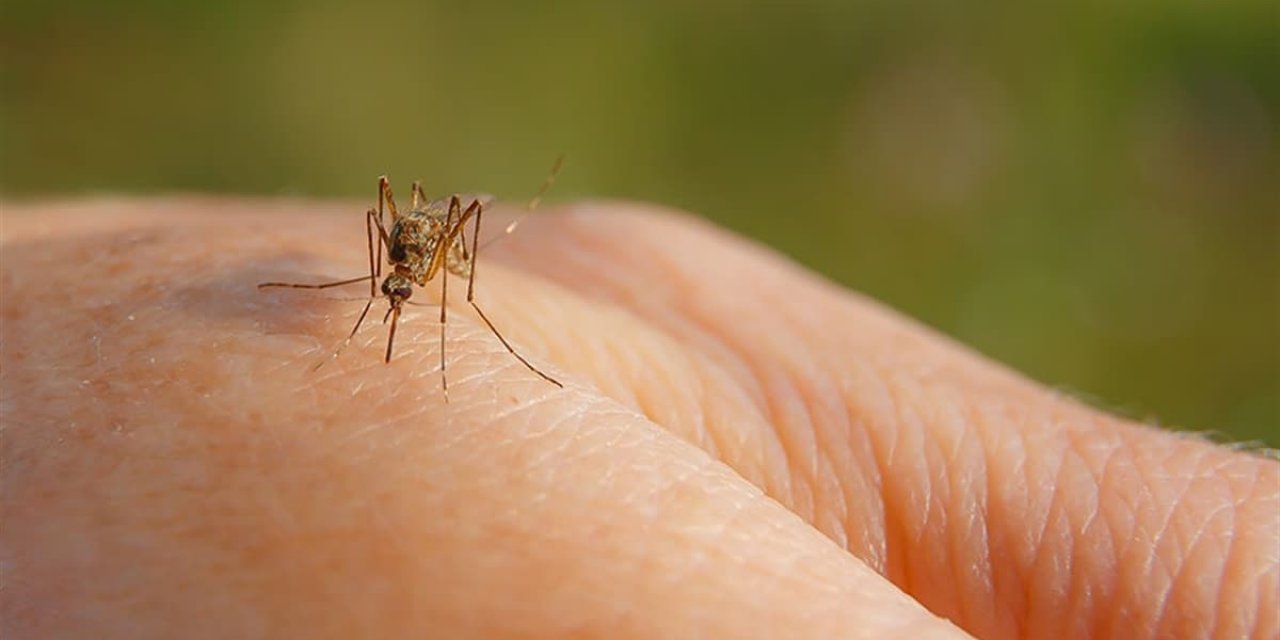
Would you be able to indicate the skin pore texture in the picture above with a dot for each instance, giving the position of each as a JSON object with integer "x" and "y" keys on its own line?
{"x": 741, "y": 450}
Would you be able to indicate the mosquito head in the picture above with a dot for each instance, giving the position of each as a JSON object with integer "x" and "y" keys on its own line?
{"x": 397, "y": 288}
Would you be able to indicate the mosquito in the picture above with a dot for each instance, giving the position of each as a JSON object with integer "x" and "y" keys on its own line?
{"x": 426, "y": 241}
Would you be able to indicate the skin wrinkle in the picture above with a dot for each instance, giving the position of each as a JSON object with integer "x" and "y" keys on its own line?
{"x": 578, "y": 259}
{"x": 1103, "y": 472}
{"x": 1131, "y": 561}
{"x": 1224, "y": 591}
{"x": 1208, "y": 580}
{"x": 803, "y": 449}
{"x": 848, "y": 451}
{"x": 1008, "y": 501}
{"x": 1188, "y": 577}
{"x": 717, "y": 439}
{"x": 1212, "y": 581}
{"x": 1088, "y": 563}
{"x": 786, "y": 404}
{"x": 762, "y": 473}
{"x": 1267, "y": 622}
{"x": 799, "y": 447}
{"x": 799, "y": 485}
{"x": 704, "y": 372}
{"x": 973, "y": 490}
{"x": 994, "y": 607}
{"x": 1069, "y": 496}
{"x": 867, "y": 529}
{"x": 998, "y": 381}
{"x": 1237, "y": 562}
{"x": 617, "y": 379}
{"x": 876, "y": 525}
{"x": 833, "y": 457}
{"x": 938, "y": 529}
{"x": 924, "y": 493}
{"x": 1086, "y": 588}
{"x": 959, "y": 497}
{"x": 659, "y": 406}
{"x": 1097, "y": 528}
{"x": 907, "y": 505}
{"x": 894, "y": 522}
{"x": 1153, "y": 560}
{"x": 619, "y": 353}
{"x": 1045, "y": 611}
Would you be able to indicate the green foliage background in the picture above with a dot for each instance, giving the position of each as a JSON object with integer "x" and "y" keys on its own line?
{"x": 1087, "y": 191}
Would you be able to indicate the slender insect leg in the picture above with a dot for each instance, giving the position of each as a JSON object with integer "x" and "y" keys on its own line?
{"x": 384, "y": 194}
{"x": 477, "y": 209}
{"x": 466, "y": 252}
{"x": 375, "y": 270}
{"x": 441, "y": 249}
{"x": 475, "y": 244}
{"x": 385, "y": 241}
{"x": 453, "y": 231}
{"x": 533, "y": 202}
{"x": 546, "y": 184}
{"x": 375, "y": 266}
{"x": 444, "y": 241}
{"x": 472, "y": 211}
{"x": 323, "y": 285}
{"x": 350, "y": 336}
{"x": 418, "y": 194}
{"x": 444, "y": 320}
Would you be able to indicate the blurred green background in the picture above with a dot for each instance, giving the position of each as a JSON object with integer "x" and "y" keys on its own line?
{"x": 1087, "y": 191}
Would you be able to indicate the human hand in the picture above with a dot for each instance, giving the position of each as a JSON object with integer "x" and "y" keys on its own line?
{"x": 741, "y": 450}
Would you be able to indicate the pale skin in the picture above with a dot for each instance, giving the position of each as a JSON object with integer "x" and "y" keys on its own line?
{"x": 740, "y": 450}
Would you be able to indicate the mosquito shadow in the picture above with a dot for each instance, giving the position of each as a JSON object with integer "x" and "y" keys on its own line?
{"x": 234, "y": 295}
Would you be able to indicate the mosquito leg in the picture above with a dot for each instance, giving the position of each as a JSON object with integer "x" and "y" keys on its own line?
{"x": 475, "y": 245}
{"x": 444, "y": 319}
{"x": 478, "y": 210}
{"x": 350, "y": 336}
{"x": 375, "y": 266}
{"x": 546, "y": 184}
{"x": 466, "y": 254}
{"x": 384, "y": 193}
{"x": 533, "y": 202}
{"x": 455, "y": 210}
{"x": 444, "y": 241}
{"x": 374, "y": 271}
{"x": 324, "y": 285}
{"x": 454, "y": 230}
{"x": 511, "y": 349}
{"x": 418, "y": 195}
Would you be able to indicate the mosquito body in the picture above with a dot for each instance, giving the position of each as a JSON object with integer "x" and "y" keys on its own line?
{"x": 422, "y": 243}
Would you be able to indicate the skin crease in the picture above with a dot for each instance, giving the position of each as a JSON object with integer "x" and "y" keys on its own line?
{"x": 741, "y": 450}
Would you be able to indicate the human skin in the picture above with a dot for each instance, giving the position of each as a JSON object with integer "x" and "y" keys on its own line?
{"x": 740, "y": 450}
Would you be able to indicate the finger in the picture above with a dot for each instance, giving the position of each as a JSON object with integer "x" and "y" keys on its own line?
{"x": 172, "y": 467}
{"x": 998, "y": 503}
